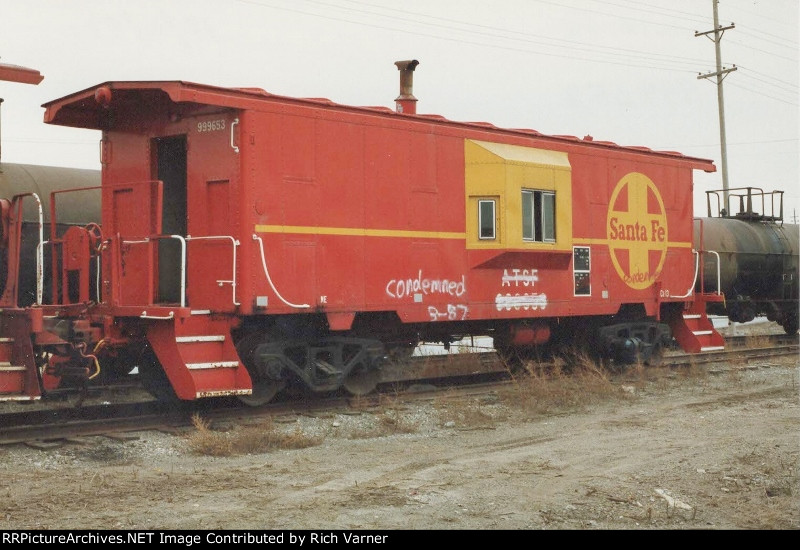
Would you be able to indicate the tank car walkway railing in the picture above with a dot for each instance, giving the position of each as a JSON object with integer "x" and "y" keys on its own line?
{"x": 747, "y": 197}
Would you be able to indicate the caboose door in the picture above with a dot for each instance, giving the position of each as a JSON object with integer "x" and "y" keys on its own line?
{"x": 212, "y": 217}
{"x": 171, "y": 171}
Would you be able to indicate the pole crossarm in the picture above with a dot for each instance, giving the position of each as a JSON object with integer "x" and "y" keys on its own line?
{"x": 720, "y": 30}
{"x": 721, "y": 73}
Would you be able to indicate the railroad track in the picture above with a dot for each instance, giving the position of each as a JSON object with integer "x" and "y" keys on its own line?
{"x": 51, "y": 427}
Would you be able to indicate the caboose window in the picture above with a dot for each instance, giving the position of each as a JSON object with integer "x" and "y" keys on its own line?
{"x": 486, "y": 219}
{"x": 538, "y": 216}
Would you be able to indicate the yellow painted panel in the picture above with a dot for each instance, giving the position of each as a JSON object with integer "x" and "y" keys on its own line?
{"x": 472, "y": 222}
{"x": 503, "y": 170}
{"x": 506, "y": 154}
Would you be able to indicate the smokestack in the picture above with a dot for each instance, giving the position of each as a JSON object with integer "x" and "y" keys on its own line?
{"x": 406, "y": 102}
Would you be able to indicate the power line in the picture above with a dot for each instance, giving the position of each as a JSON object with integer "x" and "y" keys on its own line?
{"x": 589, "y": 52}
{"x": 772, "y": 85}
{"x": 661, "y": 12}
{"x": 792, "y": 85}
{"x": 772, "y": 54}
{"x": 735, "y": 143}
{"x": 739, "y": 85}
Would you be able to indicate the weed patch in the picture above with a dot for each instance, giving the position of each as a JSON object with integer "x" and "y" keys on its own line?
{"x": 565, "y": 384}
{"x": 247, "y": 439}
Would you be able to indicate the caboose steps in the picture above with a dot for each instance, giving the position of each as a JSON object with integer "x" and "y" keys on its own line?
{"x": 18, "y": 380}
{"x": 12, "y": 381}
{"x": 695, "y": 332}
{"x": 199, "y": 357}
{"x": 190, "y": 339}
{"x": 213, "y": 365}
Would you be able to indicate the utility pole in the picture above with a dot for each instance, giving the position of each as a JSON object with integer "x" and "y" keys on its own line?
{"x": 720, "y": 73}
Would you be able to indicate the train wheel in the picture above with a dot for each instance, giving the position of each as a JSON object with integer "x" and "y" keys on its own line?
{"x": 361, "y": 379}
{"x": 790, "y": 323}
{"x": 656, "y": 358}
{"x": 153, "y": 378}
{"x": 266, "y": 378}
{"x": 265, "y": 387}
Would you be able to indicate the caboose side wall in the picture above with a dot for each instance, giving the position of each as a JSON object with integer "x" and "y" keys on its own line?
{"x": 356, "y": 210}
{"x": 347, "y": 199}
{"x": 364, "y": 210}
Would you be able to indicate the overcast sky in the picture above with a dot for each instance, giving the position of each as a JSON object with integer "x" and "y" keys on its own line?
{"x": 620, "y": 70}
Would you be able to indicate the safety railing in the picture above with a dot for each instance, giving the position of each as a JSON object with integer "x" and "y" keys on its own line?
{"x": 145, "y": 196}
{"x": 753, "y": 204}
{"x": 12, "y": 286}
{"x": 149, "y": 240}
{"x": 699, "y": 266}
{"x": 55, "y": 241}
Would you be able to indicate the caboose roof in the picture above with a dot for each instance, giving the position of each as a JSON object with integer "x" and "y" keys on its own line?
{"x": 90, "y": 109}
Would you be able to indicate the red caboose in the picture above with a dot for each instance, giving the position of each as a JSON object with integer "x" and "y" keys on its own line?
{"x": 252, "y": 237}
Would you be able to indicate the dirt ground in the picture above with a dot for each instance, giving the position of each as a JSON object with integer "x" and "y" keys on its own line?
{"x": 709, "y": 448}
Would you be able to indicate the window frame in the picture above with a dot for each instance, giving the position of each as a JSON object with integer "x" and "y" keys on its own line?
{"x": 493, "y": 203}
{"x": 538, "y": 207}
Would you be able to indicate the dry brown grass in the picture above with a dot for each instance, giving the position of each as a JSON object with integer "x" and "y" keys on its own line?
{"x": 641, "y": 375}
{"x": 567, "y": 383}
{"x": 693, "y": 371}
{"x": 246, "y": 439}
{"x": 758, "y": 341}
{"x": 738, "y": 360}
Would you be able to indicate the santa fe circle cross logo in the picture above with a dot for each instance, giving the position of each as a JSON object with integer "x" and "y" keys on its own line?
{"x": 636, "y": 228}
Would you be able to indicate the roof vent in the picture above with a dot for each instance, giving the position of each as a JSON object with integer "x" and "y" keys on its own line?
{"x": 406, "y": 102}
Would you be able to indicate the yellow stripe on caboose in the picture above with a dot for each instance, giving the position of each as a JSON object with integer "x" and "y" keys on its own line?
{"x": 606, "y": 242}
{"x": 358, "y": 232}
